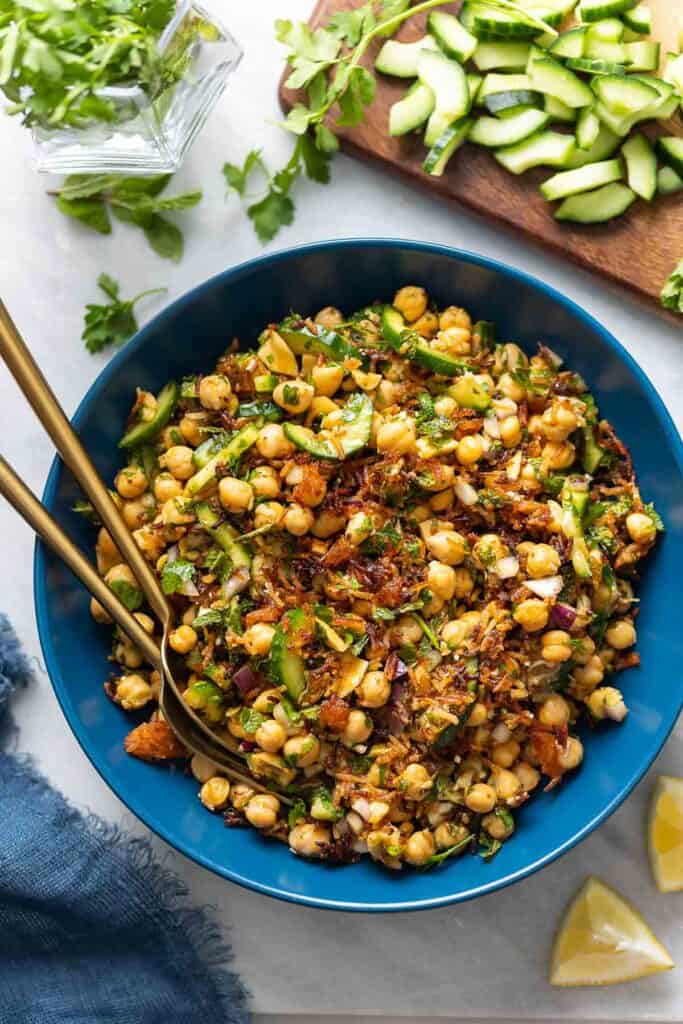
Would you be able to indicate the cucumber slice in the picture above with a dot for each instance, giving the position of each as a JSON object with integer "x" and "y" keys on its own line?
{"x": 604, "y": 146}
{"x": 400, "y": 59}
{"x": 596, "y": 67}
{"x": 623, "y": 97}
{"x": 611, "y": 53}
{"x": 393, "y": 325}
{"x": 488, "y": 20}
{"x": 474, "y": 83}
{"x": 643, "y": 56}
{"x": 224, "y": 535}
{"x": 597, "y": 207}
{"x": 545, "y": 148}
{"x": 500, "y": 102}
{"x": 621, "y": 126}
{"x": 412, "y": 111}
{"x": 553, "y": 79}
{"x": 286, "y": 666}
{"x": 494, "y": 83}
{"x": 668, "y": 182}
{"x": 452, "y": 139}
{"x": 639, "y": 19}
{"x": 559, "y": 111}
{"x": 265, "y": 383}
{"x": 502, "y": 56}
{"x": 324, "y": 342}
{"x": 146, "y": 431}
{"x": 354, "y": 435}
{"x": 495, "y": 132}
{"x": 596, "y": 10}
{"x": 230, "y": 454}
{"x": 452, "y": 37}
{"x": 673, "y": 71}
{"x": 670, "y": 150}
{"x": 266, "y": 411}
{"x": 587, "y": 128}
{"x": 584, "y": 179}
{"x": 447, "y": 81}
{"x": 641, "y": 166}
{"x": 438, "y": 362}
{"x": 308, "y": 441}
{"x": 607, "y": 30}
{"x": 570, "y": 44}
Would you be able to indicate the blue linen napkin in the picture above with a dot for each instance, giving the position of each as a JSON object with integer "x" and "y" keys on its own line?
{"x": 92, "y": 928}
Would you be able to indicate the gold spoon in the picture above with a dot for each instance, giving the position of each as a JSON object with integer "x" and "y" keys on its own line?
{"x": 187, "y": 725}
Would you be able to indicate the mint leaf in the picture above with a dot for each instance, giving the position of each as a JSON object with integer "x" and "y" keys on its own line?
{"x": 250, "y": 720}
{"x": 89, "y": 212}
{"x": 164, "y": 237}
{"x": 127, "y": 594}
{"x": 175, "y": 575}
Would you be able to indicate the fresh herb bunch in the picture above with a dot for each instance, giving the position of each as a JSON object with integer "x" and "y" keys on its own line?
{"x": 92, "y": 198}
{"x": 115, "y": 322}
{"x": 56, "y": 56}
{"x": 672, "y": 292}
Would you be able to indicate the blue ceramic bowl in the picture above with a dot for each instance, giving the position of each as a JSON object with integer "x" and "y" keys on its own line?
{"x": 188, "y": 336}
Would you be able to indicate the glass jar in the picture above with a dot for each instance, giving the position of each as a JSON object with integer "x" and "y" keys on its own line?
{"x": 150, "y": 134}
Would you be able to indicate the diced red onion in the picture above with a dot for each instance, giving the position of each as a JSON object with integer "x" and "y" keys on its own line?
{"x": 506, "y": 568}
{"x": 189, "y": 589}
{"x": 492, "y": 427}
{"x": 172, "y": 555}
{"x": 245, "y": 679}
{"x": 247, "y": 746}
{"x": 549, "y": 586}
{"x": 396, "y": 670}
{"x": 362, "y": 806}
{"x": 563, "y": 616}
{"x": 398, "y": 692}
{"x": 235, "y": 583}
{"x": 465, "y": 492}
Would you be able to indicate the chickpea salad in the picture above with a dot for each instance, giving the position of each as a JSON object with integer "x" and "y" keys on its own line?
{"x": 402, "y": 558}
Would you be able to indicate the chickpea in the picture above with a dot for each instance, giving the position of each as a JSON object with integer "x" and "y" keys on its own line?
{"x": 427, "y": 325}
{"x": 191, "y": 428}
{"x": 266, "y": 701}
{"x": 133, "y": 692}
{"x": 453, "y": 316}
{"x": 510, "y": 431}
{"x": 406, "y": 630}
{"x": 542, "y": 560}
{"x": 456, "y": 631}
{"x": 202, "y": 768}
{"x": 481, "y": 798}
{"x": 621, "y": 634}
{"x": 270, "y": 736}
{"x": 358, "y": 728}
{"x": 510, "y": 388}
{"x": 640, "y": 528}
{"x": 445, "y": 406}
{"x": 240, "y": 795}
{"x": 438, "y": 477}
{"x": 174, "y": 513}
{"x": 572, "y": 756}
{"x": 235, "y": 495}
{"x": 99, "y": 613}
{"x": 411, "y": 302}
{"x": 308, "y": 839}
{"x": 106, "y": 552}
{"x": 282, "y": 718}
{"x": 258, "y": 638}
{"x": 303, "y": 750}
{"x": 505, "y": 754}
{"x": 607, "y": 702}
{"x": 478, "y": 715}
{"x": 262, "y": 810}
{"x": 272, "y": 443}
{"x": 150, "y": 541}
{"x": 374, "y": 691}
{"x": 554, "y": 711}
{"x": 488, "y": 550}
{"x": 294, "y": 395}
{"x": 120, "y": 574}
{"x": 329, "y": 316}
{"x": 127, "y": 654}
{"x": 558, "y": 455}
{"x": 214, "y": 793}
{"x": 464, "y": 584}
{"x": 497, "y": 827}
{"x": 397, "y": 436}
{"x": 447, "y": 546}
{"x": 265, "y": 483}
{"x": 584, "y": 649}
{"x": 359, "y": 528}
{"x": 183, "y": 639}
{"x": 456, "y": 341}
{"x": 327, "y": 379}
{"x": 214, "y": 391}
{"x": 415, "y": 782}
{"x": 326, "y": 524}
{"x": 420, "y": 847}
{"x": 268, "y": 513}
{"x": 470, "y": 449}
{"x": 590, "y": 675}
{"x": 531, "y": 615}
{"x": 131, "y": 482}
{"x": 298, "y": 520}
{"x": 443, "y": 501}
{"x": 441, "y": 580}
{"x": 556, "y": 646}
{"x": 528, "y": 776}
{"x": 166, "y": 487}
{"x": 178, "y": 461}
{"x": 449, "y": 834}
{"x": 558, "y": 422}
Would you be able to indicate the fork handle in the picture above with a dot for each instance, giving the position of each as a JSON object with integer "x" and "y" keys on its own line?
{"x": 41, "y": 522}
{"x": 40, "y": 396}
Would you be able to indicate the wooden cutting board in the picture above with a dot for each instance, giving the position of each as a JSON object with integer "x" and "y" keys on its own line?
{"x": 637, "y": 251}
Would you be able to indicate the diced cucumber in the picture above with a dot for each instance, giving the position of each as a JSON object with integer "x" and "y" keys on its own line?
{"x": 431, "y": 359}
{"x": 229, "y": 455}
{"x": 494, "y": 83}
{"x": 470, "y": 393}
{"x": 584, "y": 179}
{"x": 611, "y": 53}
{"x": 488, "y": 21}
{"x": 668, "y": 182}
{"x": 325, "y": 341}
{"x": 623, "y": 97}
{"x": 587, "y": 128}
{"x": 393, "y": 325}
{"x": 641, "y": 166}
{"x": 621, "y": 126}
{"x": 546, "y": 148}
{"x": 474, "y": 83}
{"x": 268, "y": 412}
{"x": 642, "y": 56}
{"x": 495, "y": 132}
{"x": 400, "y": 59}
{"x": 606, "y": 143}
{"x": 265, "y": 383}
{"x": 597, "y": 207}
{"x": 501, "y": 56}
{"x": 596, "y": 67}
{"x": 570, "y": 43}
{"x": 285, "y": 664}
{"x": 452, "y": 37}
{"x": 147, "y": 430}
{"x": 224, "y": 534}
{"x": 412, "y": 111}
{"x": 354, "y": 435}
{"x": 447, "y": 81}
{"x": 438, "y": 156}
{"x": 559, "y": 111}
{"x": 553, "y": 79}
{"x": 673, "y": 71}
{"x": 639, "y": 19}
{"x": 596, "y": 10}
{"x": 670, "y": 150}
{"x": 500, "y": 102}
{"x": 607, "y": 30}
{"x": 308, "y": 441}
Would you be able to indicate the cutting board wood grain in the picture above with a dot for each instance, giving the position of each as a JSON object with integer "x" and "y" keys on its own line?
{"x": 637, "y": 251}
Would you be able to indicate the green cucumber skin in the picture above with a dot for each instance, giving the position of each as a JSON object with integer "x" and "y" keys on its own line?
{"x": 596, "y": 207}
{"x": 438, "y": 156}
{"x": 597, "y": 10}
{"x": 452, "y": 37}
{"x": 584, "y": 179}
{"x": 141, "y": 433}
{"x": 325, "y": 342}
{"x": 641, "y": 166}
{"x": 318, "y": 447}
{"x": 234, "y": 449}
{"x": 493, "y": 132}
{"x": 287, "y": 667}
{"x": 668, "y": 182}
{"x": 670, "y": 150}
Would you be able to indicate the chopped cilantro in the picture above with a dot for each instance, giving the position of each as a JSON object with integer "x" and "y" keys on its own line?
{"x": 439, "y": 858}
{"x": 296, "y": 812}
{"x": 250, "y": 720}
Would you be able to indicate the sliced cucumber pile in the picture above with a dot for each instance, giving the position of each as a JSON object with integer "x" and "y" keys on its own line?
{"x": 594, "y": 77}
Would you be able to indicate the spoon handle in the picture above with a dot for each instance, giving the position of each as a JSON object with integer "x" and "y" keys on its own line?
{"x": 40, "y": 396}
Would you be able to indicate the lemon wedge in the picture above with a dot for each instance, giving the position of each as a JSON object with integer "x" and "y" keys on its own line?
{"x": 665, "y": 833}
{"x": 604, "y": 940}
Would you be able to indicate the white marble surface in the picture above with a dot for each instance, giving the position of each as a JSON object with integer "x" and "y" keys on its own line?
{"x": 486, "y": 959}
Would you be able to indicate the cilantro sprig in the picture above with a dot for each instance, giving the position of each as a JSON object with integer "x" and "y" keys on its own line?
{"x": 114, "y": 322}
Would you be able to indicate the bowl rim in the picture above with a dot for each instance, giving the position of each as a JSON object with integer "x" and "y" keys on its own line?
{"x": 102, "y": 767}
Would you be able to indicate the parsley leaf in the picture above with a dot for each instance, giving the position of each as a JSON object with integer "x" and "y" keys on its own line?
{"x": 176, "y": 574}
{"x": 672, "y": 292}
{"x": 114, "y": 323}
{"x": 652, "y": 513}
